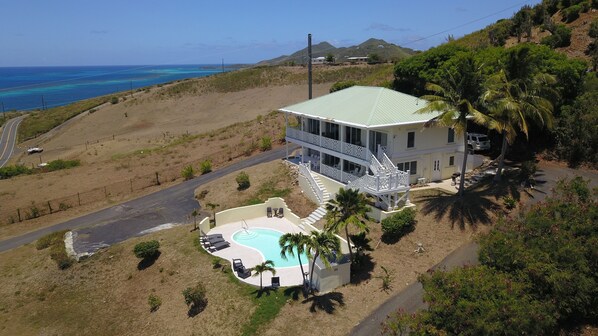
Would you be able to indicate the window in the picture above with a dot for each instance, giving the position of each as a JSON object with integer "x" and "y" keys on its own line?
{"x": 353, "y": 135}
{"x": 331, "y": 131}
{"x": 451, "y": 161}
{"x": 410, "y": 139}
{"x": 405, "y": 166}
{"x": 451, "y": 135}
{"x": 313, "y": 126}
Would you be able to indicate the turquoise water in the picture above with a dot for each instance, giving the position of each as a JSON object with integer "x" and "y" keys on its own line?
{"x": 266, "y": 241}
{"x": 26, "y": 88}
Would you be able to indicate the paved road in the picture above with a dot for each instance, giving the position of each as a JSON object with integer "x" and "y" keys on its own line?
{"x": 549, "y": 173}
{"x": 411, "y": 298}
{"x": 8, "y": 139}
{"x": 126, "y": 220}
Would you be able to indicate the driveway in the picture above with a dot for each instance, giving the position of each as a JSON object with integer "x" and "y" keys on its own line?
{"x": 172, "y": 205}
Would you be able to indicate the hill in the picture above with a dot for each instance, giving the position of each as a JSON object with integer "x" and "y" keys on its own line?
{"x": 386, "y": 51}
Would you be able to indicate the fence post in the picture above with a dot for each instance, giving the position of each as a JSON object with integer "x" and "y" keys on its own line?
{"x": 131, "y": 181}
{"x": 105, "y": 192}
{"x": 49, "y": 207}
{"x": 157, "y": 179}
{"x": 79, "y": 198}
{"x": 19, "y": 214}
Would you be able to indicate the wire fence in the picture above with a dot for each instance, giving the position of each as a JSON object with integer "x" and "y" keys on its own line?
{"x": 117, "y": 189}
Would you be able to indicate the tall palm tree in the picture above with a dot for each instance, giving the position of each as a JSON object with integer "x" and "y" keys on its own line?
{"x": 266, "y": 266}
{"x": 321, "y": 244}
{"x": 348, "y": 208}
{"x": 514, "y": 96}
{"x": 456, "y": 97}
{"x": 291, "y": 242}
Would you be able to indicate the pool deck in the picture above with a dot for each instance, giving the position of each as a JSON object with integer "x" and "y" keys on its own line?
{"x": 289, "y": 276}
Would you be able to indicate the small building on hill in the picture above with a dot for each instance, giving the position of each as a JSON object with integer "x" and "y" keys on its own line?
{"x": 370, "y": 138}
{"x": 318, "y": 60}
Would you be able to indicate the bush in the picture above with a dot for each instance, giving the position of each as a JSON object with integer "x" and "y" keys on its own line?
{"x": 10, "y": 171}
{"x": 528, "y": 169}
{"x": 114, "y": 100}
{"x": 561, "y": 37}
{"x": 341, "y": 85}
{"x": 147, "y": 249}
{"x": 509, "y": 202}
{"x": 195, "y": 297}
{"x": 57, "y": 249}
{"x": 243, "y": 181}
{"x": 266, "y": 143}
{"x": 188, "y": 172}
{"x": 154, "y": 302}
{"x": 205, "y": 166}
{"x": 62, "y": 164}
{"x": 572, "y": 13}
{"x": 398, "y": 225}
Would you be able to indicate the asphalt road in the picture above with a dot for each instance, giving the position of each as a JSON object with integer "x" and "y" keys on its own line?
{"x": 410, "y": 299}
{"x": 8, "y": 139}
{"x": 118, "y": 223}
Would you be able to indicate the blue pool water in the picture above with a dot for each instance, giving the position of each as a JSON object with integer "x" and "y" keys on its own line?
{"x": 266, "y": 241}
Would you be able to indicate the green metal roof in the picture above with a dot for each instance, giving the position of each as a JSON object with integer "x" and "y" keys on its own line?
{"x": 364, "y": 106}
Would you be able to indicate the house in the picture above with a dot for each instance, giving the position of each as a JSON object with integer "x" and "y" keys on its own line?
{"x": 370, "y": 138}
{"x": 358, "y": 59}
{"x": 318, "y": 60}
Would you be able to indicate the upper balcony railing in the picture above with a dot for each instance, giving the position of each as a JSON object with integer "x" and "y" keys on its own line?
{"x": 349, "y": 149}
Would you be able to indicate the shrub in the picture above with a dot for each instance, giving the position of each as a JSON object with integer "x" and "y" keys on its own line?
{"x": 341, "y": 85}
{"x": 509, "y": 202}
{"x": 398, "y": 225}
{"x": 188, "y": 172}
{"x": 154, "y": 302}
{"x": 528, "y": 169}
{"x": 57, "y": 249}
{"x": 266, "y": 143}
{"x": 195, "y": 297}
{"x": 62, "y": 164}
{"x": 243, "y": 181}
{"x": 10, "y": 171}
{"x": 561, "y": 37}
{"x": 205, "y": 166}
{"x": 147, "y": 249}
{"x": 572, "y": 13}
{"x": 114, "y": 100}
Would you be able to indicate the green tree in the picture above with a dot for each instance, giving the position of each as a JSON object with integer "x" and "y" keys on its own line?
{"x": 243, "y": 181}
{"x": 341, "y": 85}
{"x": 514, "y": 96}
{"x": 330, "y": 58}
{"x": 147, "y": 250}
{"x": 374, "y": 58}
{"x": 348, "y": 208}
{"x": 476, "y": 301}
{"x": 456, "y": 97}
{"x": 323, "y": 245}
{"x": 205, "y": 166}
{"x": 195, "y": 297}
{"x": 266, "y": 266}
{"x": 188, "y": 172}
{"x": 291, "y": 242}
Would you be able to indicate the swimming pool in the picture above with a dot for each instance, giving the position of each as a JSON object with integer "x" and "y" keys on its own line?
{"x": 266, "y": 242}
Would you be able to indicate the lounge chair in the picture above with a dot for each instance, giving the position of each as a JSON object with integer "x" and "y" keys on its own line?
{"x": 214, "y": 240}
{"x": 237, "y": 264}
{"x": 244, "y": 273}
{"x": 211, "y": 236}
{"x": 275, "y": 282}
{"x": 269, "y": 211}
{"x": 218, "y": 246}
{"x": 280, "y": 213}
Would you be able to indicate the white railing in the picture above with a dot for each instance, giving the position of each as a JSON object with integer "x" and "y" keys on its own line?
{"x": 355, "y": 151}
{"x": 375, "y": 165}
{"x": 298, "y": 134}
{"x": 332, "y": 144}
{"x": 377, "y": 184}
{"x": 385, "y": 160}
{"x": 304, "y": 169}
{"x": 347, "y": 177}
{"x": 331, "y": 172}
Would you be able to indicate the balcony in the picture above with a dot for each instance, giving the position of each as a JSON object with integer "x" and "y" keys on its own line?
{"x": 338, "y": 146}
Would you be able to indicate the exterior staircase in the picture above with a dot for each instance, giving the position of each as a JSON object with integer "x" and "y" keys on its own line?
{"x": 323, "y": 195}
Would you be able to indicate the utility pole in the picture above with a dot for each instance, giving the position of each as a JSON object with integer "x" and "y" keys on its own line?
{"x": 309, "y": 63}
{"x": 3, "y": 112}
{"x": 223, "y": 65}
{"x": 131, "y": 89}
{"x": 43, "y": 103}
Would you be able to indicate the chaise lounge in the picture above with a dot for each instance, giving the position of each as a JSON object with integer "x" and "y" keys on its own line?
{"x": 243, "y": 272}
{"x": 280, "y": 213}
{"x": 269, "y": 212}
{"x": 275, "y": 282}
{"x": 218, "y": 246}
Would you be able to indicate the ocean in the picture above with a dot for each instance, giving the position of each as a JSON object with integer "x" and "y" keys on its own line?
{"x": 28, "y": 88}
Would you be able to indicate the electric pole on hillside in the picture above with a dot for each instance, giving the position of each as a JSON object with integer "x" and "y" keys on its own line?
{"x": 223, "y": 65}
{"x": 309, "y": 64}
{"x": 131, "y": 89}
{"x": 43, "y": 103}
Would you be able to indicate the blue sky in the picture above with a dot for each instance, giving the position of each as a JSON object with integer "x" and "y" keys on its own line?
{"x": 110, "y": 32}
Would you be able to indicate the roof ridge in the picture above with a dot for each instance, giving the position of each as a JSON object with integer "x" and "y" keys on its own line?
{"x": 374, "y": 107}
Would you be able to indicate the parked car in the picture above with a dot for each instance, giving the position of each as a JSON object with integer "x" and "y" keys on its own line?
{"x": 478, "y": 142}
{"x": 33, "y": 150}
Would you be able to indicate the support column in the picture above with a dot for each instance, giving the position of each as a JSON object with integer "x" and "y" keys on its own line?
{"x": 286, "y": 129}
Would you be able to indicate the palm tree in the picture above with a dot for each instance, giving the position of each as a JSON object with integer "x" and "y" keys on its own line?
{"x": 321, "y": 244}
{"x": 266, "y": 266}
{"x": 289, "y": 242}
{"x": 456, "y": 97}
{"x": 515, "y": 96}
{"x": 347, "y": 208}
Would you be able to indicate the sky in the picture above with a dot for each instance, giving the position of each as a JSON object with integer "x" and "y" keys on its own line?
{"x": 143, "y": 32}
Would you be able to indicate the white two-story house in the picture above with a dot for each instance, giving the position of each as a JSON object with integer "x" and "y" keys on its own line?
{"x": 370, "y": 138}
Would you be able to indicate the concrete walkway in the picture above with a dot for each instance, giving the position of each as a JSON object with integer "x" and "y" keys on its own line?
{"x": 411, "y": 298}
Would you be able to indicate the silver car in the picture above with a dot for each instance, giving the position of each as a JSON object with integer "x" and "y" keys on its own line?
{"x": 478, "y": 142}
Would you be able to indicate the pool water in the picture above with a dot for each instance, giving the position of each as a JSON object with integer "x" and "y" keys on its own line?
{"x": 266, "y": 241}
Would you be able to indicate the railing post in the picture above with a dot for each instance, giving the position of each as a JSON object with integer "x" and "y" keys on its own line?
{"x": 377, "y": 182}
